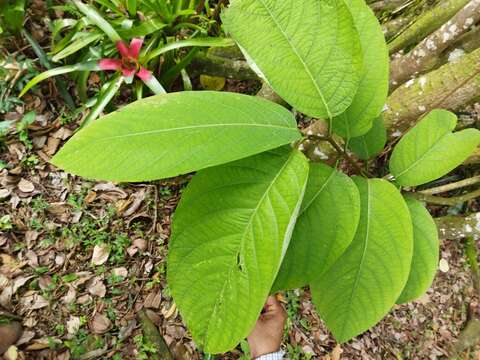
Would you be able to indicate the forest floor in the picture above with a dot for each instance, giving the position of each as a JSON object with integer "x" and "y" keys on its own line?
{"x": 79, "y": 259}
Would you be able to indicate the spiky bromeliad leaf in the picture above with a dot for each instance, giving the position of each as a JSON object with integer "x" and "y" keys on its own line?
{"x": 308, "y": 50}
{"x": 167, "y": 135}
{"x": 425, "y": 252}
{"x": 230, "y": 233}
{"x": 324, "y": 229}
{"x": 430, "y": 150}
{"x": 364, "y": 283}
{"x": 372, "y": 143}
{"x": 373, "y": 87}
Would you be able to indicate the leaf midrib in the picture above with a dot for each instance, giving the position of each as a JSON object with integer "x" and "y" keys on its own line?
{"x": 242, "y": 241}
{"x": 357, "y": 276}
{"x": 295, "y": 51}
{"x": 151, "y": 132}
{"x": 429, "y": 150}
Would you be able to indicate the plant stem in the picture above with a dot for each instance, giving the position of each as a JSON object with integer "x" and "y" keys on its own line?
{"x": 452, "y": 186}
{"x": 437, "y": 200}
{"x": 103, "y": 99}
{"x": 339, "y": 150}
{"x": 472, "y": 256}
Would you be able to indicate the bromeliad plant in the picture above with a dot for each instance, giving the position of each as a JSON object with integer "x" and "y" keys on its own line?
{"x": 97, "y": 41}
{"x": 258, "y": 217}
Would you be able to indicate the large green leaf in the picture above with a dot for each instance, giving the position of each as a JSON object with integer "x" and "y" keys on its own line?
{"x": 364, "y": 283}
{"x": 167, "y": 135}
{"x": 425, "y": 252}
{"x": 230, "y": 233}
{"x": 372, "y": 92}
{"x": 430, "y": 150}
{"x": 326, "y": 226}
{"x": 372, "y": 143}
{"x": 308, "y": 50}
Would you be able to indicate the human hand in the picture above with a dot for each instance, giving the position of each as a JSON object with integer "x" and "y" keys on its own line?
{"x": 267, "y": 335}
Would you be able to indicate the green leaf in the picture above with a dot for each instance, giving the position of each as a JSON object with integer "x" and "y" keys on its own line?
{"x": 324, "y": 229}
{"x": 90, "y": 65}
{"x": 308, "y": 50}
{"x": 172, "y": 134}
{"x": 92, "y": 14}
{"x": 206, "y": 42}
{"x": 80, "y": 41}
{"x": 372, "y": 143}
{"x": 430, "y": 150}
{"x": 104, "y": 98}
{"x": 145, "y": 28}
{"x": 230, "y": 233}
{"x": 372, "y": 92}
{"x": 364, "y": 283}
{"x": 425, "y": 252}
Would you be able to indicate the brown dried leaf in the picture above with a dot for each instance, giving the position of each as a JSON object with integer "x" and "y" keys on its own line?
{"x": 153, "y": 300}
{"x": 11, "y": 353}
{"x": 100, "y": 254}
{"x": 25, "y": 186}
{"x": 27, "y": 335}
{"x": 120, "y": 271}
{"x": 52, "y": 146}
{"x": 100, "y": 324}
{"x": 60, "y": 210}
{"x": 96, "y": 287}
{"x": 69, "y": 298}
{"x": 138, "y": 198}
{"x": 73, "y": 325}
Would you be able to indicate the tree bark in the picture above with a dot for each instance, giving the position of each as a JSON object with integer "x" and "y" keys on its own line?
{"x": 450, "y": 87}
{"x": 426, "y": 24}
{"x": 426, "y": 54}
{"x": 454, "y": 227}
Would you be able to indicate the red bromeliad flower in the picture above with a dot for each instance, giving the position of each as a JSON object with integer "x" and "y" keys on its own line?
{"x": 129, "y": 66}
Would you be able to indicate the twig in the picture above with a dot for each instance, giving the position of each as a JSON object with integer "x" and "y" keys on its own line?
{"x": 425, "y": 55}
{"x": 153, "y": 336}
{"x": 339, "y": 150}
{"x": 452, "y": 186}
{"x": 452, "y": 201}
{"x": 472, "y": 255}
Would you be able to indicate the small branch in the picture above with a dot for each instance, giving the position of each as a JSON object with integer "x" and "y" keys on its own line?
{"x": 339, "y": 150}
{"x": 455, "y": 227}
{"x": 452, "y": 186}
{"x": 472, "y": 256}
{"x": 425, "y": 55}
{"x": 426, "y": 24}
{"x": 452, "y": 201}
{"x": 468, "y": 337}
{"x": 450, "y": 87}
{"x": 152, "y": 335}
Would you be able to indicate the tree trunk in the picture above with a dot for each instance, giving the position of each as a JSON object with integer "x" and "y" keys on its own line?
{"x": 426, "y": 24}
{"x": 426, "y": 54}
{"x": 450, "y": 87}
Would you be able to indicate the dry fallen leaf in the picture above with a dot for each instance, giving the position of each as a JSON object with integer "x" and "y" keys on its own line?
{"x": 121, "y": 271}
{"x": 73, "y": 324}
{"x": 11, "y": 354}
{"x": 443, "y": 266}
{"x": 100, "y": 324}
{"x": 336, "y": 352}
{"x": 27, "y": 336}
{"x": 69, "y": 298}
{"x": 25, "y": 186}
{"x": 96, "y": 287}
{"x": 100, "y": 254}
{"x": 153, "y": 300}
{"x": 167, "y": 314}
